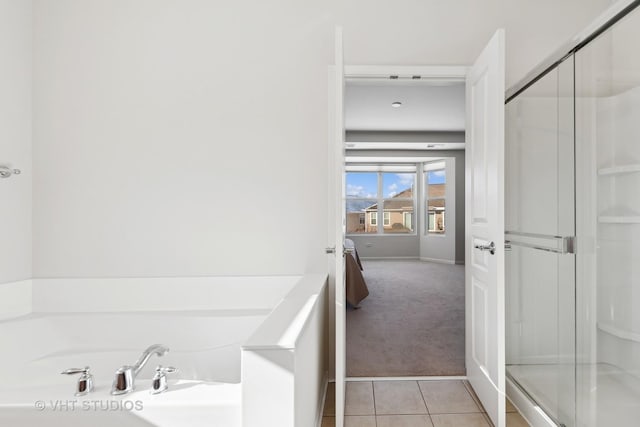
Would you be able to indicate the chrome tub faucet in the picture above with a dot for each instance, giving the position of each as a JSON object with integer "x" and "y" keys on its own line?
{"x": 85, "y": 382}
{"x": 124, "y": 382}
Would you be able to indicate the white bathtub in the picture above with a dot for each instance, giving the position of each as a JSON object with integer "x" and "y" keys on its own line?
{"x": 107, "y": 323}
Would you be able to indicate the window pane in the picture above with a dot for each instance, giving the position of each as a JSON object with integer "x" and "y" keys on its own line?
{"x": 435, "y": 216}
{"x": 398, "y": 185}
{"x": 436, "y": 177}
{"x": 398, "y": 216}
{"x": 362, "y": 200}
{"x": 360, "y": 215}
{"x": 435, "y": 181}
{"x": 361, "y": 185}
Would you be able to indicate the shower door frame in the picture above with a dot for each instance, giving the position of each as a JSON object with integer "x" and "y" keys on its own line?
{"x": 520, "y": 397}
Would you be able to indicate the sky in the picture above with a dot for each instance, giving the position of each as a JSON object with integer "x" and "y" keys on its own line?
{"x": 365, "y": 184}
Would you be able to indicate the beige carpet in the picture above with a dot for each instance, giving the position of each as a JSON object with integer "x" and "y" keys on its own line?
{"x": 412, "y": 322}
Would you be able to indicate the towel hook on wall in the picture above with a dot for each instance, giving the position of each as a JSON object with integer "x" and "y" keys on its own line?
{"x": 6, "y": 172}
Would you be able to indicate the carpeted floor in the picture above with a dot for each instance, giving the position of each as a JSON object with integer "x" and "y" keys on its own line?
{"x": 412, "y": 322}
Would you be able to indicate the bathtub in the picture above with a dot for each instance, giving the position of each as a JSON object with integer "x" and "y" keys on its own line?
{"x": 218, "y": 330}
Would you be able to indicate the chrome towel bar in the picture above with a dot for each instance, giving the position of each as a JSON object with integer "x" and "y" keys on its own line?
{"x": 542, "y": 242}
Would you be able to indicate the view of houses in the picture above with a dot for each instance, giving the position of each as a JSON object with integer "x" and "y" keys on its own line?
{"x": 397, "y": 211}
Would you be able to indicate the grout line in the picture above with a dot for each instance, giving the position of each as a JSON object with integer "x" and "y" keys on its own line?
{"x": 394, "y": 414}
{"x": 480, "y": 409}
{"x": 373, "y": 392}
{"x": 476, "y": 400}
{"x": 375, "y": 410}
{"x": 423, "y": 413}
{"x": 416, "y": 378}
{"x": 487, "y": 419}
{"x": 424, "y": 399}
{"x": 375, "y": 407}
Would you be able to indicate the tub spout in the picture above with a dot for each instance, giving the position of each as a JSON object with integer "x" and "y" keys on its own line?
{"x": 158, "y": 349}
{"x": 124, "y": 381}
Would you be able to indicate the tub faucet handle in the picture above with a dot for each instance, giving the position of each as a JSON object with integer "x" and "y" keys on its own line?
{"x": 85, "y": 382}
{"x": 159, "y": 381}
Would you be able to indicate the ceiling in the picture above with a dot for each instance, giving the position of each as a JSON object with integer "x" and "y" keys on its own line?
{"x": 426, "y": 106}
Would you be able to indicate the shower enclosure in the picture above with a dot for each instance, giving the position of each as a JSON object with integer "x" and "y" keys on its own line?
{"x": 573, "y": 230}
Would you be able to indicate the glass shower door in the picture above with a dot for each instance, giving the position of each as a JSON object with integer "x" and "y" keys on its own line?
{"x": 540, "y": 226}
{"x": 608, "y": 178}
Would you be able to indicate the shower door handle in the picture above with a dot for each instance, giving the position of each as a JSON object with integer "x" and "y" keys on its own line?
{"x": 541, "y": 242}
{"x": 491, "y": 247}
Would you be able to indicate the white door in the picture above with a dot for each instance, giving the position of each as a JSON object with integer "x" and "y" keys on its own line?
{"x": 484, "y": 222}
{"x": 336, "y": 162}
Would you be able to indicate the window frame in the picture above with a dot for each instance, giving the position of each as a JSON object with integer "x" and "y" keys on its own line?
{"x": 386, "y": 218}
{"x": 380, "y": 215}
{"x": 439, "y": 166}
{"x": 373, "y": 219}
{"x": 404, "y": 218}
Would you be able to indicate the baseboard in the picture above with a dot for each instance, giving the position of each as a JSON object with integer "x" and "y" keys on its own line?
{"x": 416, "y": 378}
{"x": 529, "y": 410}
{"x": 439, "y": 261}
{"x": 410, "y": 258}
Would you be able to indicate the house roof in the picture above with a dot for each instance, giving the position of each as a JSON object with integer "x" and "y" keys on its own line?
{"x": 404, "y": 199}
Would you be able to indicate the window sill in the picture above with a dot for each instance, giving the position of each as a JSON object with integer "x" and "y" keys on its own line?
{"x": 382, "y": 235}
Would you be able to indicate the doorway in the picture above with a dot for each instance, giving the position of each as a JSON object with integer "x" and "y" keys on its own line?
{"x": 404, "y": 187}
{"x": 484, "y": 218}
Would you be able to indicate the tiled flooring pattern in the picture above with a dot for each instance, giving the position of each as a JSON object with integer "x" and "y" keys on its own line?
{"x": 412, "y": 404}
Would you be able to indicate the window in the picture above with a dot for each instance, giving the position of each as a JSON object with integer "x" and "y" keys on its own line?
{"x": 391, "y": 187}
{"x": 398, "y": 192}
{"x": 435, "y": 183}
{"x": 435, "y": 211}
{"x": 361, "y": 202}
{"x": 407, "y": 220}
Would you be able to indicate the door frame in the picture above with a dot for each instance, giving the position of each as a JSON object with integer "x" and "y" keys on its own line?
{"x": 428, "y": 72}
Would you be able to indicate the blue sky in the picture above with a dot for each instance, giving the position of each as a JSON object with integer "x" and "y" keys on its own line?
{"x": 436, "y": 177}
{"x": 362, "y": 184}
{"x": 365, "y": 184}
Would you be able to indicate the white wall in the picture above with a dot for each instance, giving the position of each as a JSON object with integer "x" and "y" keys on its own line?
{"x": 443, "y": 247}
{"x": 189, "y": 137}
{"x": 179, "y": 138}
{"x": 388, "y": 246}
{"x": 15, "y": 139}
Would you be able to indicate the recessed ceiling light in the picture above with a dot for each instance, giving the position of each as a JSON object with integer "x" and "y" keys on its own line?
{"x": 396, "y": 104}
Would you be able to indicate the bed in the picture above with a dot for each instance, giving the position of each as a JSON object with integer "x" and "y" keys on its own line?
{"x": 356, "y": 287}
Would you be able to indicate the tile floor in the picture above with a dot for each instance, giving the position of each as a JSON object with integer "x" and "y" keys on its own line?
{"x": 412, "y": 404}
